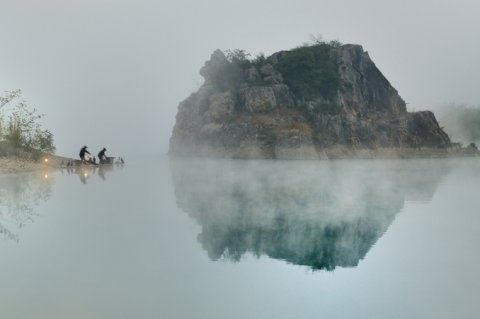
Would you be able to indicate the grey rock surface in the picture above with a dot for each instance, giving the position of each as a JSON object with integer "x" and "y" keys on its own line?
{"x": 311, "y": 102}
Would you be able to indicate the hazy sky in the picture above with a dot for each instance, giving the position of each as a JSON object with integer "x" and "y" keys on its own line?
{"x": 112, "y": 72}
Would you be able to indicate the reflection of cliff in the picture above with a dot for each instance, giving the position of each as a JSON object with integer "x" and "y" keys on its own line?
{"x": 319, "y": 214}
{"x": 19, "y": 194}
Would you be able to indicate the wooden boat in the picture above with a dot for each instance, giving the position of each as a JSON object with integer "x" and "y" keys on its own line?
{"x": 107, "y": 161}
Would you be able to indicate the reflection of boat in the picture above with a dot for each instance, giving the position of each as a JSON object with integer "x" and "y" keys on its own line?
{"x": 318, "y": 214}
{"x": 87, "y": 170}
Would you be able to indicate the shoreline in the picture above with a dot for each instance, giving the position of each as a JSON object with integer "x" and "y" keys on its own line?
{"x": 20, "y": 164}
{"x": 12, "y": 164}
{"x": 17, "y": 164}
{"x": 332, "y": 153}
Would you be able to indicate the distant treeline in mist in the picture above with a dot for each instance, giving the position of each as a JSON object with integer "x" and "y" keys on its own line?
{"x": 462, "y": 123}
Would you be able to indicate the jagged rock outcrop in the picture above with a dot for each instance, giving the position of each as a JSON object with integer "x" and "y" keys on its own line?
{"x": 316, "y": 101}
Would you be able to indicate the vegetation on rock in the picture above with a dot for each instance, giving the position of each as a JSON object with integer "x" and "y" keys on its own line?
{"x": 309, "y": 71}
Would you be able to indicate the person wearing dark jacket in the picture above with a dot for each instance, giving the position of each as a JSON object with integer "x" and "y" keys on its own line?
{"x": 101, "y": 156}
{"x": 82, "y": 154}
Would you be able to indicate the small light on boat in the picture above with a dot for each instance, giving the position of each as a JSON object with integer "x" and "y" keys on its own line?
{"x": 46, "y": 160}
{"x": 46, "y": 176}
{"x": 85, "y": 174}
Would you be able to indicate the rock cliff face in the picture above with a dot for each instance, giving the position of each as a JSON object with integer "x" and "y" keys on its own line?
{"x": 318, "y": 101}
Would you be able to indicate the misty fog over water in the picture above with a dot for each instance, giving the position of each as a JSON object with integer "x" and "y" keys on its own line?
{"x": 183, "y": 238}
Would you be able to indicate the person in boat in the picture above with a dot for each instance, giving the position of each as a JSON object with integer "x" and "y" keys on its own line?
{"x": 102, "y": 157}
{"x": 83, "y": 154}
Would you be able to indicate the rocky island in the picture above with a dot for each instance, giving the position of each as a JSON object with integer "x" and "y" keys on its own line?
{"x": 325, "y": 100}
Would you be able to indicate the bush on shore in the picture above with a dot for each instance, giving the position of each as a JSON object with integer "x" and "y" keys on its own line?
{"x": 21, "y": 134}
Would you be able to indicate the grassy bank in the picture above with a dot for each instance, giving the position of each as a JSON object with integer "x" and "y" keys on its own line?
{"x": 13, "y": 164}
{"x": 24, "y": 162}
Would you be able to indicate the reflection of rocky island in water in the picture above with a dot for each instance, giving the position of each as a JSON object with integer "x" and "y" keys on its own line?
{"x": 19, "y": 194}
{"x": 318, "y": 214}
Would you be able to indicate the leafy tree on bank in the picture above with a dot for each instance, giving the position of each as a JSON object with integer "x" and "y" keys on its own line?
{"x": 20, "y": 127}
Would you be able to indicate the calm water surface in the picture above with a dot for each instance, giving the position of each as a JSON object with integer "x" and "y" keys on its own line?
{"x": 177, "y": 238}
